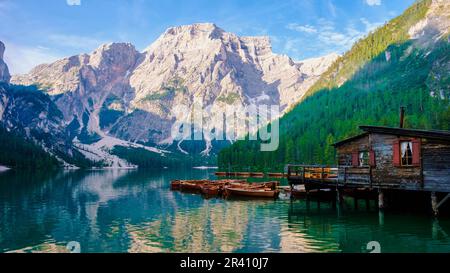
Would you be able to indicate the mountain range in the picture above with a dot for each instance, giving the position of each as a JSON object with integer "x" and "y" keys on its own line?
{"x": 113, "y": 107}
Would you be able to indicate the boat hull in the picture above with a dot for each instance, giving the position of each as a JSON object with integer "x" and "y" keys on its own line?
{"x": 276, "y": 175}
{"x": 192, "y": 185}
{"x": 251, "y": 193}
{"x": 175, "y": 185}
{"x": 211, "y": 190}
{"x": 257, "y": 174}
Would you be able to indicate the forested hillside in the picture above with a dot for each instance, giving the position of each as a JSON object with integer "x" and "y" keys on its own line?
{"x": 394, "y": 32}
{"x": 401, "y": 76}
{"x": 18, "y": 153}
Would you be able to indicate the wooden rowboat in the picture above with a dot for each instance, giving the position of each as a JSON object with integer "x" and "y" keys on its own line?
{"x": 175, "y": 185}
{"x": 231, "y": 181}
{"x": 251, "y": 192}
{"x": 257, "y": 174}
{"x": 242, "y": 174}
{"x": 211, "y": 190}
{"x": 270, "y": 185}
{"x": 194, "y": 185}
{"x": 278, "y": 175}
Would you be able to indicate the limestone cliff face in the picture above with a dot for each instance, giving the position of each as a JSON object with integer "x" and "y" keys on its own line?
{"x": 28, "y": 112}
{"x": 4, "y": 72}
{"x": 120, "y": 92}
{"x": 435, "y": 25}
{"x": 79, "y": 85}
{"x": 4, "y": 80}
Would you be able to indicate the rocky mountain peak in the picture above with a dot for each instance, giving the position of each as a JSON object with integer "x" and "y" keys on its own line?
{"x": 435, "y": 25}
{"x": 194, "y": 29}
{"x": 4, "y": 72}
{"x": 317, "y": 66}
{"x": 118, "y": 57}
{"x": 118, "y": 92}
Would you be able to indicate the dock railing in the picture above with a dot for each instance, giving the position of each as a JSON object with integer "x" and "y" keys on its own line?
{"x": 312, "y": 173}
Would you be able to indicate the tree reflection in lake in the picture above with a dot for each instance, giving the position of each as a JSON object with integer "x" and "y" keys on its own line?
{"x": 134, "y": 211}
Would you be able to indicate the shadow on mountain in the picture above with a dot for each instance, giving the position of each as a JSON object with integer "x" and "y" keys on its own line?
{"x": 404, "y": 75}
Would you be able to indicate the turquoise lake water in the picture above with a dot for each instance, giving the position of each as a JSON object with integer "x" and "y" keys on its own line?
{"x": 135, "y": 211}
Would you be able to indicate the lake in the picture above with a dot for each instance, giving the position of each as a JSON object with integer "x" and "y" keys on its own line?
{"x": 135, "y": 211}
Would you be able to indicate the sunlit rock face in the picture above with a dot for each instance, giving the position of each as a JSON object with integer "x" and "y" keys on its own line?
{"x": 129, "y": 95}
{"x": 435, "y": 25}
{"x": 4, "y": 72}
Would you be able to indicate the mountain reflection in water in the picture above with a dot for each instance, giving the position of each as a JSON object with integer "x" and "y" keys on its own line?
{"x": 135, "y": 211}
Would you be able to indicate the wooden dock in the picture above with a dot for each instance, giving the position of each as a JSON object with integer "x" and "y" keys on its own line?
{"x": 310, "y": 174}
{"x": 385, "y": 160}
{"x": 250, "y": 174}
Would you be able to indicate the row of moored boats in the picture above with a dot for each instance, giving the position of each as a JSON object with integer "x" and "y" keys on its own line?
{"x": 228, "y": 188}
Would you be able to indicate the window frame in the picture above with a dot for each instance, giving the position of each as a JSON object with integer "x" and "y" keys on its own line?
{"x": 363, "y": 161}
{"x": 408, "y": 159}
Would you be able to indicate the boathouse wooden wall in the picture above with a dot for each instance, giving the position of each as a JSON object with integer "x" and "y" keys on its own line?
{"x": 436, "y": 165}
{"x": 433, "y": 174}
{"x": 347, "y": 173}
{"x": 345, "y": 151}
{"x": 385, "y": 174}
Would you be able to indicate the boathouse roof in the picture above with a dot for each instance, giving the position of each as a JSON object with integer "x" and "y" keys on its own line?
{"x": 337, "y": 144}
{"x": 431, "y": 134}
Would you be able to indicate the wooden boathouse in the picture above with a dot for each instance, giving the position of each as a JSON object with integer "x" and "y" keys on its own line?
{"x": 385, "y": 159}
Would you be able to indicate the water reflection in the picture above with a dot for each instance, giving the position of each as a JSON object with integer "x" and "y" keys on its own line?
{"x": 134, "y": 211}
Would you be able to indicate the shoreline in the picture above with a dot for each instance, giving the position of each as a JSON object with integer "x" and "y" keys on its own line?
{"x": 4, "y": 168}
{"x": 205, "y": 168}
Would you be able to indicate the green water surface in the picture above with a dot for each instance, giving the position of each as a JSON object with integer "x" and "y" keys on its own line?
{"x": 135, "y": 211}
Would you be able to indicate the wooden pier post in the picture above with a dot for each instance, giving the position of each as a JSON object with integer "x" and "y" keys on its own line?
{"x": 434, "y": 203}
{"x": 339, "y": 197}
{"x": 381, "y": 218}
{"x": 381, "y": 204}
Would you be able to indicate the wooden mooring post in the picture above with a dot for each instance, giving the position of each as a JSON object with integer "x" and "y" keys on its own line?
{"x": 434, "y": 203}
{"x": 339, "y": 196}
{"x": 381, "y": 204}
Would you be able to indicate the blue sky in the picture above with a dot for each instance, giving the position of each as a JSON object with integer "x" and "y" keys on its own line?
{"x": 42, "y": 31}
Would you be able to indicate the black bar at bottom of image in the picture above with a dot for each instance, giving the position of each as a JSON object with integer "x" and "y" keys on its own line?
{"x": 219, "y": 262}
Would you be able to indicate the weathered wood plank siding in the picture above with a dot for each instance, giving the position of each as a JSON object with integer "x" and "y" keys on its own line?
{"x": 386, "y": 174}
{"x": 347, "y": 173}
{"x": 345, "y": 151}
{"x": 436, "y": 165}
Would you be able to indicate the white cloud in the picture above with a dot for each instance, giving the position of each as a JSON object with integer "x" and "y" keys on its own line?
{"x": 300, "y": 28}
{"x": 373, "y": 2}
{"x": 339, "y": 40}
{"x": 75, "y": 41}
{"x": 21, "y": 59}
{"x": 369, "y": 25}
{"x": 325, "y": 37}
{"x": 332, "y": 9}
{"x": 73, "y": 2}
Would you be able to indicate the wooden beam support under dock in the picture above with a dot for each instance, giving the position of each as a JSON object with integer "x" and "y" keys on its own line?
{"x": 443, "y": 201}
{"x": 434, "y": 204}
{"x": 381, "y": 204}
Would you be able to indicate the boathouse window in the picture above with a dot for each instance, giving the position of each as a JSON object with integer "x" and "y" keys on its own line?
{"x": 363, "y": 159}
{"x": 406, "y": 153}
